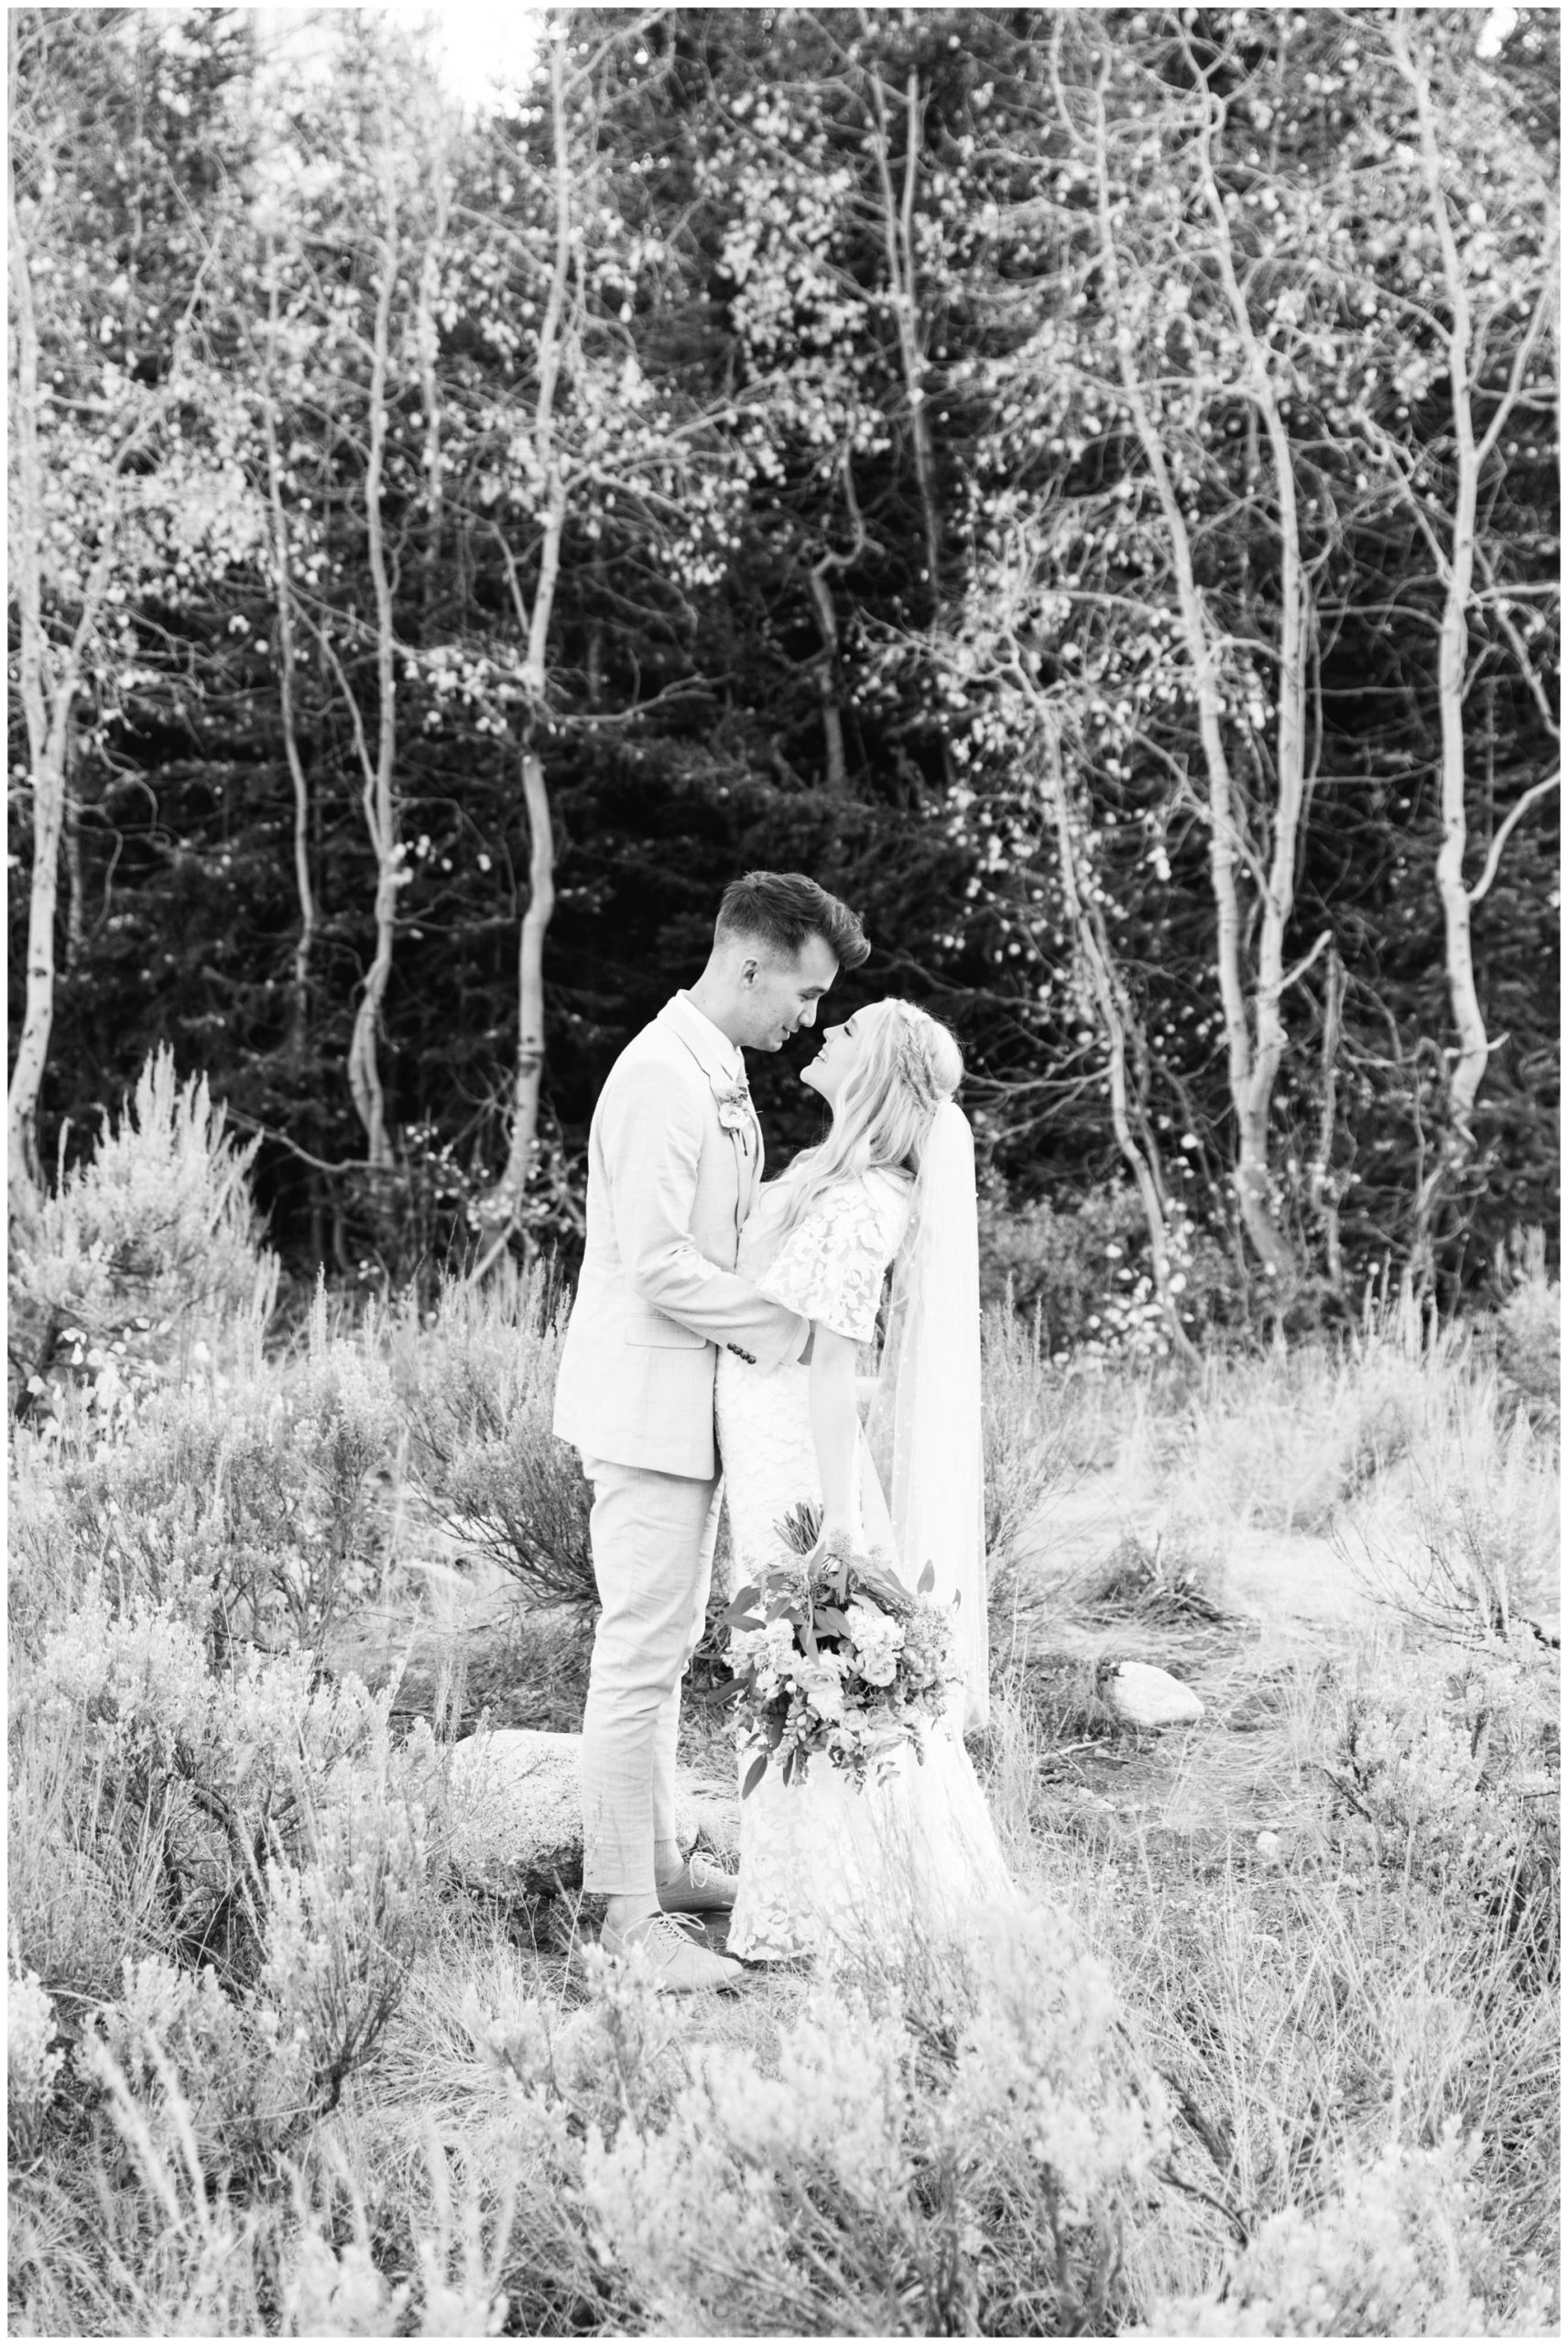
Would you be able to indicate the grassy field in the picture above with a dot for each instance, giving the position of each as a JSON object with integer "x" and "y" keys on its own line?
{"x": 1270, "y": 2046}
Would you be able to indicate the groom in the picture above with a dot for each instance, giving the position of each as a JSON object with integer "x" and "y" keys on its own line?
{"x": 674, "y": 1163}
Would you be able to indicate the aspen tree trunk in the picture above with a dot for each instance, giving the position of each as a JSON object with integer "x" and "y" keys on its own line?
{"x": 1291, "y": 781}
{"x": 1252, "y": 1182}
{"x": 827, "y": 626}
{"x": 427, "y": 338}
{"x": 304, "y": 949}
{"x": 51, "y": 678}
{"x": 898, "y": 239}
{"x": 75, "y": 882}
{"x": 827, "y": 678}
{"x": 1454, "y": 640}
{"x": 1468, "y": 367}
{"x": 501, "y": 1208}
{"x": 379, "y": 794}
{"x": 47, "y": 775}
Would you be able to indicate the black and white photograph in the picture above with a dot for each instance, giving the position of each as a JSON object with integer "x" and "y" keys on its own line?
{"x": 784, "y": 1308}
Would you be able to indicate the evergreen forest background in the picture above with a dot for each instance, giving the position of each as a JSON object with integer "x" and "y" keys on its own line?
{"x": 1081, "y": 484}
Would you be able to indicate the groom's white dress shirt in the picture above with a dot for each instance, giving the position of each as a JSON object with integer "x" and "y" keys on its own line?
{"x": 674, "y": 1163}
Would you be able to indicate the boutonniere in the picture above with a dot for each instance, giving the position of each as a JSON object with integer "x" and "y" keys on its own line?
{"x": 733, "y": 1101}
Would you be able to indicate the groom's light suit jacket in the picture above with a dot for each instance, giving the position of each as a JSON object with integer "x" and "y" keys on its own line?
{"x": 674, "y": 1163}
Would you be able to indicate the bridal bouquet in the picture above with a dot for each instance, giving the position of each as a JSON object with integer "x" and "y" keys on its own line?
{"x": 834, "y": 1657}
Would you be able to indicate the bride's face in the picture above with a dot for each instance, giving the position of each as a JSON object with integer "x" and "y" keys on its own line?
{"x": 840, "y": 1055}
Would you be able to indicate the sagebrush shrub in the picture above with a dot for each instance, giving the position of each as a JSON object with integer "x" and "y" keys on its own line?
{"x": 478, "y": 1385}
{"x": 1448, "y": 1765}
{"x": 255, "y": 1505}
{"x": 1529, "y": 1326}
{"x": 868, "y": 2180}
{"x": 150, "y": 1241}
{"x": 1398, "y": 2251}
{"x": 277, "y": 1843}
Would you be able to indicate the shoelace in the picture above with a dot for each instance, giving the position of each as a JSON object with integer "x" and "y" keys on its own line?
{"x": 702, "y": 1871}
{"x": 682, "y": 1925}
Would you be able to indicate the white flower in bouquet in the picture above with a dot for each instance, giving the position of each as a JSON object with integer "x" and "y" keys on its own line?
{"x": 770, "y": 1650}
{"x": 821, "y": 1682}
{"x": 878, "y": 1640}
{"x": 834, "y": 1657}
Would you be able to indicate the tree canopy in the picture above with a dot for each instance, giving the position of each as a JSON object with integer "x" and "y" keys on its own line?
{"x": 1079, "y": 483}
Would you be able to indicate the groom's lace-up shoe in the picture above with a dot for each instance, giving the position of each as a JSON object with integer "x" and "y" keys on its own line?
{"x": 673, "y": 1946}
{"x": 700, "y": 1887}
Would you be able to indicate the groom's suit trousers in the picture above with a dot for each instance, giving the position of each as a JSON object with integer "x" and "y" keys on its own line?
{"x": 653, "y": 1537}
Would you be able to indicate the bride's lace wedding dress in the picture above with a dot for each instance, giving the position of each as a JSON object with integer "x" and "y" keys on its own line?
{"x": 825, "y": 1868}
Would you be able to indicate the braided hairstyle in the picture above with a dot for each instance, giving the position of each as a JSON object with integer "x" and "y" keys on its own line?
{"x": 909, "y": 1064}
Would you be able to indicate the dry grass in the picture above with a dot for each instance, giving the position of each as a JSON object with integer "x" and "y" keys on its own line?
{"x": 530, "y": 2143}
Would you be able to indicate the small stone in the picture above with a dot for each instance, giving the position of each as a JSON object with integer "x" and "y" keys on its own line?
{"x": 1270, "y": 1847}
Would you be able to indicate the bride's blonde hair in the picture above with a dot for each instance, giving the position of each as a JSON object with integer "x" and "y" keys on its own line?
{"x": 909, "y": 1064}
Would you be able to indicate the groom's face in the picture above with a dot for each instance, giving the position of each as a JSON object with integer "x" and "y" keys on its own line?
{"x": 781, "y": 994}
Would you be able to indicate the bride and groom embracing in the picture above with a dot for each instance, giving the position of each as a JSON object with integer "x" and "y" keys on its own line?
{"x": 716, "y": 1329}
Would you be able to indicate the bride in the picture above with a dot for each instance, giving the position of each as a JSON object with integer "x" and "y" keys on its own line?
{"x": 826, "y": 1868}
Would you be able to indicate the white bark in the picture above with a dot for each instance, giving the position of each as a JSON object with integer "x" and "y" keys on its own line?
{"x": 287, "y": 674}
{"x": 827, "y": 626}
{"x": 1466, "y": 366}
{"x": 1252, "y": 1180}
{"x": 380, "y": 793}
{"x": 502, "y": 1206}
{"x": 427, "y": 339}
{"x": 50, "y": 677}
{"x": 530, "y": 980}
{"x": 1291, "y": 781}
{"x": 898, "y": 239}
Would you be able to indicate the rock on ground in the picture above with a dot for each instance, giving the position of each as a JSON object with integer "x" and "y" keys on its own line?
{"x": 517, "y": 1816}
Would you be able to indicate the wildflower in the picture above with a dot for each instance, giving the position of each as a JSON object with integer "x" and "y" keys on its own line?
{"x": 31, "y": 2066}
{"x": 1044, "y": 2065}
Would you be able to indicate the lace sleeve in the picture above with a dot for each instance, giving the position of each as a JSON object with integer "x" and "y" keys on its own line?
{"x": 831, "y": 1266}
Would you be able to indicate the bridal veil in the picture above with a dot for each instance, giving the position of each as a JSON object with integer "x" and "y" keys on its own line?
{"x": 927, "y": 1426}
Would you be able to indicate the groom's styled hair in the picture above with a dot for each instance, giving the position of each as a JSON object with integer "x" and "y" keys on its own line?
{"x": 782, "y": 909}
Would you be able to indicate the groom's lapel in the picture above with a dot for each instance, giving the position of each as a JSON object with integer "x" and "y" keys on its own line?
{"x": 747, "y": 1145}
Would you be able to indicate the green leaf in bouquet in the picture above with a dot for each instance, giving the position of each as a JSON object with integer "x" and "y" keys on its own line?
{"x": 801, "y": 1527}
{"x": 753, "y": 1774}
{"x": 830, "y": 1622}
{"x": 926, "y": 1581}
{"x": 883, "y": 1590}
{"x": 739, "y": 1607}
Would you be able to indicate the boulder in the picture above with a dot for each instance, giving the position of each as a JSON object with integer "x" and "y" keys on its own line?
{"x": 1146, "y": 1698}
{"x": 517, "y": 1822}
